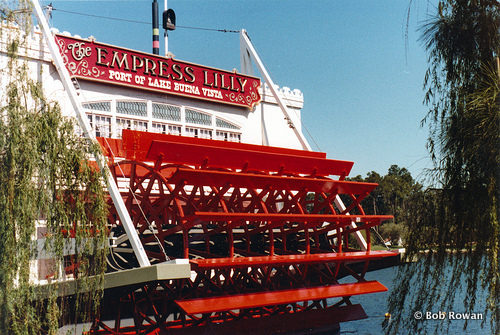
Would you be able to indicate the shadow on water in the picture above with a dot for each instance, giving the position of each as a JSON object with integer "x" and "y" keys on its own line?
{"x": 375, "y": 306}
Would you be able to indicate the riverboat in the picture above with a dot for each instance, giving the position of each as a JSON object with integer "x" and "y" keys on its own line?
{"x": 222, "y": 219}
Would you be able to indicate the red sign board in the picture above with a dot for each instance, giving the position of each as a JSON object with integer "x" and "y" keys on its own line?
{"x": 89, "y": 60}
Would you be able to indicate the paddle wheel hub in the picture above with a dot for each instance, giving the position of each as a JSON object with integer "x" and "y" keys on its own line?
{"x": 263, "y": 228}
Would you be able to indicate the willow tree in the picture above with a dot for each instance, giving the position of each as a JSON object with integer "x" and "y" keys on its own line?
{"x": 45, "y": 181}
{"x": 458, "y": 220}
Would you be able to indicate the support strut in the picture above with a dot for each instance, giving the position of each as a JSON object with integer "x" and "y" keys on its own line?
{"x": 87, "y": 130}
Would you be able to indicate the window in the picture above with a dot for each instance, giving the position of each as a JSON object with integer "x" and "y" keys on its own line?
{"x": 198, "y": 133}
{"x": 130, "y": 124}
{"x": 98, "y": 106}
{"x": 195, "y": 117}
{"x": 220, "y": 123}
{"x": 167, "y": 112}
{"x": 228, "y": 136}
{"x": 159, "y": 128}
{"x": 79, "y": 130}
{"x": 224, "y": 135}
{"x": 132, "y": 108}
{"x": 162, "y": 128}
{"x": 167, "y": 119}
{"x": 175, "y": 130}
{"x": 203, "y": 133}
{"x": 102, "y": 126}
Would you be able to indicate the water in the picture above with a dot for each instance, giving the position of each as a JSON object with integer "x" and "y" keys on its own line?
{"x": 375, "y": 306}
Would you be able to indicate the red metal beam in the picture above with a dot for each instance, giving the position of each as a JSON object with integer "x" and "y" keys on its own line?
{"x": 256, "y": 181}
{"x": 111, "y": 147}
{"x": 140, "y": 142}
{"x": 259, "y": 261}
{"x": 256, "y": 300}
{"x": 218, "y": 157}
{"x": 346, "y": 219}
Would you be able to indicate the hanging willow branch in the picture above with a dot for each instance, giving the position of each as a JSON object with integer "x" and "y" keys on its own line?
{"x": 47, "y": 185}
{"x": 457, "y": 223}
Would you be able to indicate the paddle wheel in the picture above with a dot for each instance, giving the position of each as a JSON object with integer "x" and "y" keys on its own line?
{"x": 264, "y": 229}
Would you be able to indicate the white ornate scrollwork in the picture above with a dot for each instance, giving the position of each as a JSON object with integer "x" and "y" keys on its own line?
{"x": 79, "y": 67}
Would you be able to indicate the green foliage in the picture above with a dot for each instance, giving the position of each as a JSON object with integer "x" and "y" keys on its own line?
{"x": 375, "y": 203}
{"x": 394, "y": 195}
{"x": 392, "y": 232}
{"x": 461, "y": 213}
{"x": 44, "y": 180}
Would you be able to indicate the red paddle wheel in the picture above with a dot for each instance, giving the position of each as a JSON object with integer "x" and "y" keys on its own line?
{"x": 262, "y": 227}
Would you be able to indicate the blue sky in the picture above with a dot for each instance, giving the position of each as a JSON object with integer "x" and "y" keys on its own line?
{"x": 361, "y": 80}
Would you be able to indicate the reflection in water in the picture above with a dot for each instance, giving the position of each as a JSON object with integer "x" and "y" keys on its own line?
{"x": 375, "y": 306}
